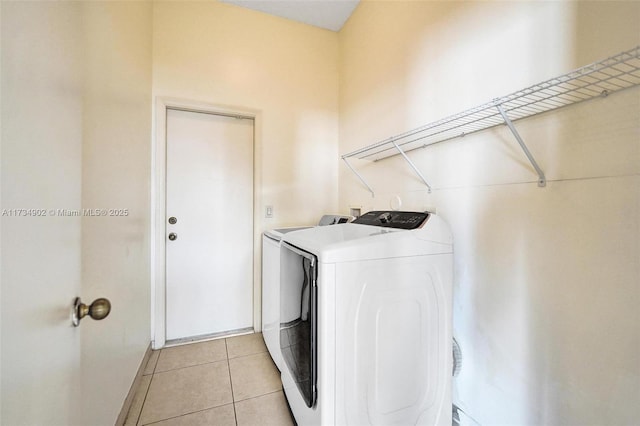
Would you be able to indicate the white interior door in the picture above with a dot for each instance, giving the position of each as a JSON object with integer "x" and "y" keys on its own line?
{"x": 75, "y": 131}
{"x": 41, "y": 250}
{"x": 209, "y": 277}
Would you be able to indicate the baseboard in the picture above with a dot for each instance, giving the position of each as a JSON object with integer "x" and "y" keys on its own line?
{"x": 134, "y": 386}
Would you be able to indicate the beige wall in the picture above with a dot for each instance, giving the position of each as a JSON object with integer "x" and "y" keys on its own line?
{"x": 546, "y": 280}
{"x": 284, "y": 72}
{"x": 226, "y": 55}
{"x": 116, "y": 170}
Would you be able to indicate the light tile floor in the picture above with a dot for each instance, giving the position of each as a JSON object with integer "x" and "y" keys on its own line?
{"x": 229, "y": 381}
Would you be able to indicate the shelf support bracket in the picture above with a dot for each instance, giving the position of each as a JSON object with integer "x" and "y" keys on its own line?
{"x": 542, "y": 181}
{"x": 413, "y": 166}
{"x": 359, "y": 176}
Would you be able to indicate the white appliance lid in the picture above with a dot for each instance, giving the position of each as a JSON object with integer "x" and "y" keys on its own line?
{"x": 353, "y": 241}
{"x": 277, "y": 234}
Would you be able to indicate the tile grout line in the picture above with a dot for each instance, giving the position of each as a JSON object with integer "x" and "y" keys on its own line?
{"x": 181, "y": 368}
{"x": 210, "y": 362}
{"x": 253, "y": 353}
{"x": 189, "y": 366}
{"x": 155, "y": 372}
{"x": 186, "y": 414}
{"x": 233, "y": 398}
{"x": 148, "y": 388}
{"x": 144, "y": 401}
{"x": 260, "y": 396}
{"x": 156, "y": 364}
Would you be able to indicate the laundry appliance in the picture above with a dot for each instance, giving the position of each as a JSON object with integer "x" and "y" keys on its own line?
{"x": 366, "y": 328}
{"x": 271, "y": 282}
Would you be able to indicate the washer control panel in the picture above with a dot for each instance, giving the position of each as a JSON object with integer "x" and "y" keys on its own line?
{"x": 393, "y": 219}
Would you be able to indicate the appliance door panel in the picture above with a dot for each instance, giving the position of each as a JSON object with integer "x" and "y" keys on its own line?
{"x": 298, "y": 318}
{"x": 393, "y": 341}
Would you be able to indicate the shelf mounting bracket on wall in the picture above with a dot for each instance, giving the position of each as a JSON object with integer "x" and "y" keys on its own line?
{"x": 407, "y": 159}
{"x": 359, "y": 176}
{"x": 413, "y": 166}
{"x": 542, "y": 181}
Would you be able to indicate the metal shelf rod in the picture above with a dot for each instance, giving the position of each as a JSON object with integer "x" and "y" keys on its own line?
{"x": 413, "y": 166}
{"x": 542, "y": 181}
{"x": 364, "y": 182}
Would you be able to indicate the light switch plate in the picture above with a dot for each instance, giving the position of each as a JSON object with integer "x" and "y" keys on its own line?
{"x": 268, "y": 211}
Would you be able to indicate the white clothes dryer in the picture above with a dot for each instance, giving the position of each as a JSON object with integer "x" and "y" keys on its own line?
{"x": 366, "y": 328}
{"x": 271, "y": 282}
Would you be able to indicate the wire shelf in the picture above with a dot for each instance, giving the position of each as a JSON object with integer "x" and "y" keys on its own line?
{"x": 599, "y": 79}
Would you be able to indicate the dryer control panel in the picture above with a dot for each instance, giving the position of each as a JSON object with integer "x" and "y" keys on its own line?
{"x": 393, "y": 219}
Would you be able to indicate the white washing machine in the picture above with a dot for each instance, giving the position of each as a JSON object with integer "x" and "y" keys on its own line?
{"x": 271, "y": 282}
{"x": 366, "y": 326}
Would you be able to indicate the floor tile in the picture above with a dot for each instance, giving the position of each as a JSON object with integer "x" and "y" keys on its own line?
{"x": 219, "y": 416}
{"x": 270, "y": 409}
{"x": 138, "y": 400}
{"x": 186, "y": 390}
{"x": 254, "y": 375}
{"x": 151, "y": 364}
{"x": 248, "y": 344}
{"x": 192, "y": 354}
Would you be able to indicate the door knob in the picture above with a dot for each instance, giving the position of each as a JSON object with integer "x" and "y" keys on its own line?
{"x": 173, "y": 236}
{"x": 98, "y": 310}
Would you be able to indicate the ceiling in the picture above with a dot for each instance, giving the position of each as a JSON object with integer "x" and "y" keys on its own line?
{"x": 328, "y": 14}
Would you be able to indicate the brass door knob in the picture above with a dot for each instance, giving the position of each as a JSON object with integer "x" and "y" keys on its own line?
{"x": 98, "y": 310}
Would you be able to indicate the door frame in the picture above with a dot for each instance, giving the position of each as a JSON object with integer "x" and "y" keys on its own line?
{"x": 158, "y": 206}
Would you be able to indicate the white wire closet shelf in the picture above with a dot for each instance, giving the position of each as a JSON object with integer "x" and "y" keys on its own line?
{"x": 599, "y": 79}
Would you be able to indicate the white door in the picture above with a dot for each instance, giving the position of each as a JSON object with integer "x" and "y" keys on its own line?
{"x": 209, "y": 277}
{"x": 41, "y": 251}
{"x": 75, "y": 132}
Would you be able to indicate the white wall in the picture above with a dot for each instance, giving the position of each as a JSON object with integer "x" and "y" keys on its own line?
{"x": 76, "y": 116}
{"x": 546, "y": 280}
